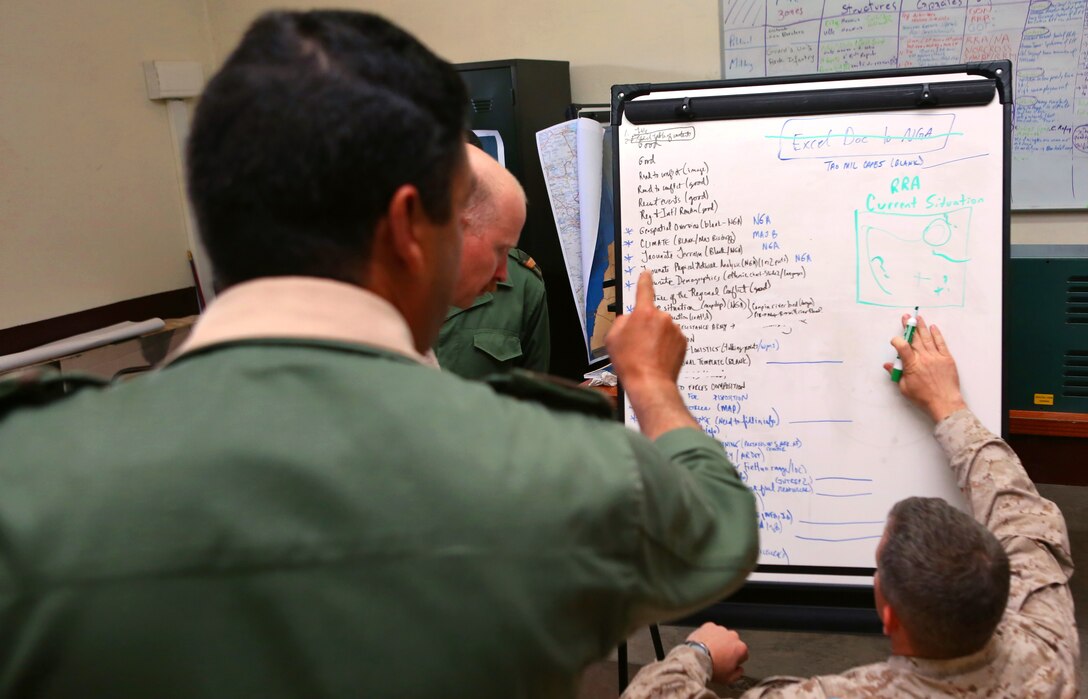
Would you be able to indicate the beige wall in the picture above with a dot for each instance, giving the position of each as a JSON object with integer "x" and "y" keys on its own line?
{"x": 90, "y": 211}
{"x": 607, "y": 42}
{"x": 90, "y": 208}
{"x": 1053, "y": 228}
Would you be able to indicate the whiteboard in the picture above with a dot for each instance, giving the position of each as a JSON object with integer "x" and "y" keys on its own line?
{"x": 787, "y": 248}
{"x": 1043, "y": 39}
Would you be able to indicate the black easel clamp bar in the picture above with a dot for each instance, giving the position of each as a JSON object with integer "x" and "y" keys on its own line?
{"x": 960, "y": 93}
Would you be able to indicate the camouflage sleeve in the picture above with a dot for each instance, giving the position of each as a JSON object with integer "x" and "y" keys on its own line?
{"x": 1030, "y": 527}
{"x": 683, "y": 674}
{"x": 785, "y": 687}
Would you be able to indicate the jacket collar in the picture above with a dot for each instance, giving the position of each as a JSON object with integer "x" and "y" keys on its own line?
{"x": 301, "y": 308}
{"x": 480, "y": 300}
{"x": 947, "y": 668}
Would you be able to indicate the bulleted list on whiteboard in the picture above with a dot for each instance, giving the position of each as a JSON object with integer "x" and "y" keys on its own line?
{"x": 787, "y": 249}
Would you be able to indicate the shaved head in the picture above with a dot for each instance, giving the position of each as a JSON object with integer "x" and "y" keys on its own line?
{"x": 492, "y": 224}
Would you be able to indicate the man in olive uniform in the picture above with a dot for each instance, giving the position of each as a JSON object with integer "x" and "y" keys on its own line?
{"x": 958, "y": 628}
{"x": 502, "y": 329}
{"x": 499, "y": 317}
{"x": 296, "y": 506}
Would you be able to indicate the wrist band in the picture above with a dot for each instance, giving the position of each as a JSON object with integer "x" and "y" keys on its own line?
{"x": 702, "y": 648}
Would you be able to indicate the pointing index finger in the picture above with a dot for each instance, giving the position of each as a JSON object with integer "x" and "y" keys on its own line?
{"x": 645, "y": 294}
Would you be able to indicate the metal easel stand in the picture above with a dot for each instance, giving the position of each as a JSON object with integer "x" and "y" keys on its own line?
{"x": 621, "y": 655}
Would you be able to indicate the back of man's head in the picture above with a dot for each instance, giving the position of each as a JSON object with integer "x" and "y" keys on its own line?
{"x": 496, "y": 189}
{"x": 945, "y": 575}
{"x": 303, "y": 136}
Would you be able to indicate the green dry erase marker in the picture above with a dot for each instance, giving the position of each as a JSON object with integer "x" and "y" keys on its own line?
{"x": 908, "y": 335}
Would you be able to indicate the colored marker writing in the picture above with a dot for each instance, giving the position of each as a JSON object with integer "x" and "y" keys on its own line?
{"x": 908, "y": 335}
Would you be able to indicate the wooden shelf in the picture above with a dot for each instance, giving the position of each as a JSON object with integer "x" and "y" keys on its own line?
{"x": 1048, "y": 424}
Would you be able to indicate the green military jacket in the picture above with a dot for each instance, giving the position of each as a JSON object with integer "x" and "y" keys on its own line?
{"x": 501, "y": 330}
{"x": 311, "y": 518}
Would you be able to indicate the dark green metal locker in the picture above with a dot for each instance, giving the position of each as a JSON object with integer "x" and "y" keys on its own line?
{"x": 1046, "y": 350}
{"x": 517, "y": 98}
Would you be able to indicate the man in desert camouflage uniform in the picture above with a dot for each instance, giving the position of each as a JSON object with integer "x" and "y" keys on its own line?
{"x": 1034, "y": 650}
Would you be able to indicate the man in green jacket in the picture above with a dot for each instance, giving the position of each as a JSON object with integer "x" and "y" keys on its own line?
{"x": 296, "y": 506}
{"x": 502, "y": 329}
{"x": 499, "y": 317}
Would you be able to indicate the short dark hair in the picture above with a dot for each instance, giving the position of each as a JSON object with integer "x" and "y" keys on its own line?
{"x": 302, "y": 137}
{"x": 945, "y": 575}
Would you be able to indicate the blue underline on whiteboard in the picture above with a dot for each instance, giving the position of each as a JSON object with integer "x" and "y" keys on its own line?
{"x": 980, "y": 155}
{"x": 837, "y": 524}
{"x": 842, "y": 478}
{"x": 805, "y": 422}
{"x": 853, "y": 538}
{"x": 851, "y": 495}
{"x": 815, "y": 361}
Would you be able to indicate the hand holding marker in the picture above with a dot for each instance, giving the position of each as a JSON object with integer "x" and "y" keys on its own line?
{"x": 908, "y": 334}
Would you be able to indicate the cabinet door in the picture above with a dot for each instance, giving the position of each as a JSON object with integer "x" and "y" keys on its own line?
{"x": 491, "y": 96}
{"x": 1046, "y": 334}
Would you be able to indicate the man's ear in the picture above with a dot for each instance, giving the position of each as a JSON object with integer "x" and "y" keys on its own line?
{"x": 889, "y": 619}
{"x": 404, "y": 216}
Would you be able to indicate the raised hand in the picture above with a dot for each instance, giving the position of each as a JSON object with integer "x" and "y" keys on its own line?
{"x": 647, "y": 349}
{"x": 930, "y": 379}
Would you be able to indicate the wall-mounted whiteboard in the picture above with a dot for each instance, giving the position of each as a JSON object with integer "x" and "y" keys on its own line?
{"x": 787, "y": 247}
{"x": 1044, "y": 40}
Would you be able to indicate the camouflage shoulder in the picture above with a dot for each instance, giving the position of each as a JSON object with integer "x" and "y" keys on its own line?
{"x": 38, "y": 387}
{"x": 525, "y": 260}
{"x": 552, "y": 392}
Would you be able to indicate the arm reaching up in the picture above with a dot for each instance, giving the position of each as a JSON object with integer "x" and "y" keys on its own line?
{"x": 647, "y": 349}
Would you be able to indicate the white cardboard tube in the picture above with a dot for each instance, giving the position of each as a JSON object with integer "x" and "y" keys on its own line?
{"x": 80, "y": 343}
